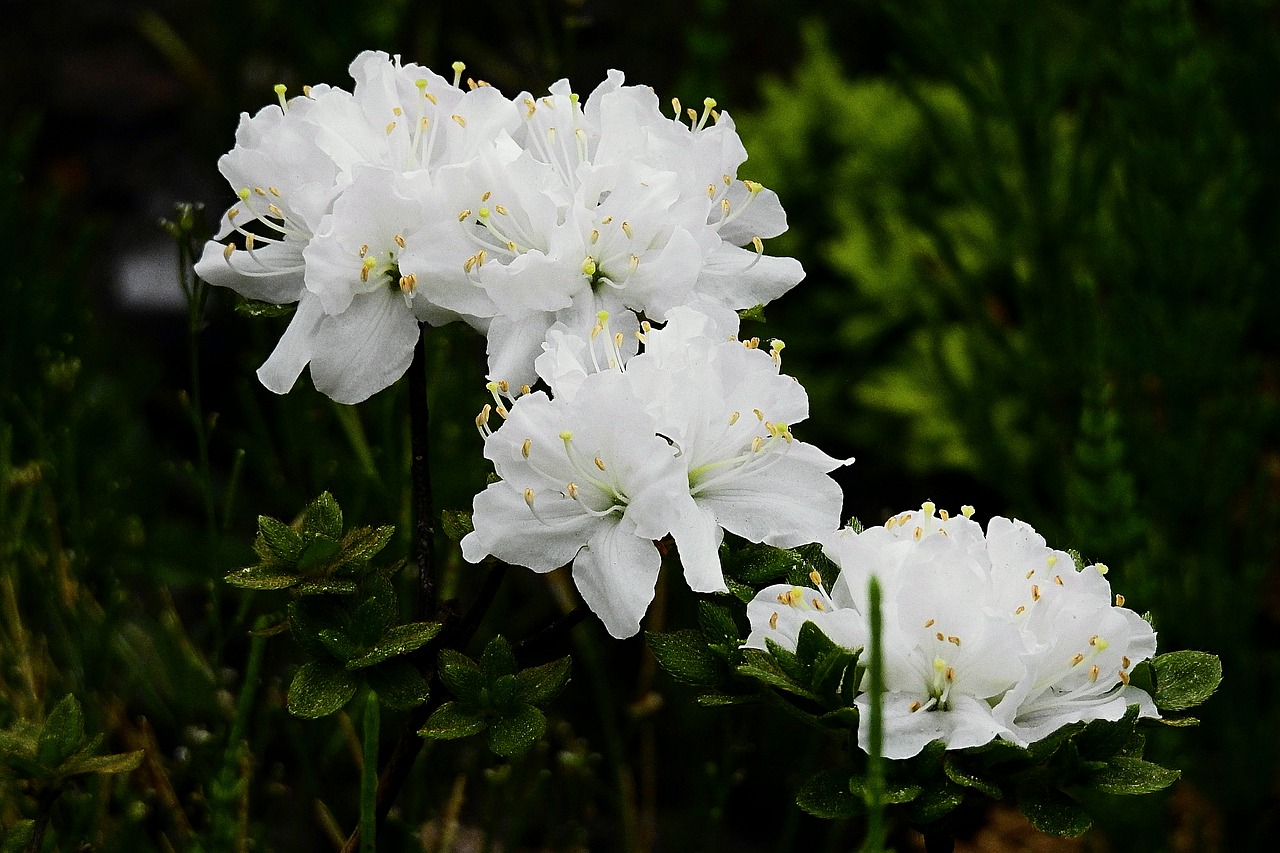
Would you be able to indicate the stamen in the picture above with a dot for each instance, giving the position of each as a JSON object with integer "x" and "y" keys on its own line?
{"x": 929, "y": 624}
{"x": 955, "y": 641}
{"x": 458, "y": 68}
{"x": 1124, "y": 677}
{"x": 815, "y": 577}
{"x": 526, "y": 447}
{"x": 1093, "y": 673}
{"x": 1119, "y": 600}
{"x": 280, "y": 89}
{"x": 773, "y": 620}
{"x": 399, "y": 241}
{"x": 1077, "y": 659}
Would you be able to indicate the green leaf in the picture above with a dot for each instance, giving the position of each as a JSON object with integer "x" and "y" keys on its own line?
{"x": 308, "y": 617}
{"x": 319, "y": 688}
{"x": 514, "y": 733}
{"x": 397, "y": 684}
{"x": 322, "y": 518}
{"x": 451, "y": 721}
{"x": 846, "y": 717}
{"x": 760, "y": 666}
{"x": 827, "y": 795}
{"x": 375, "y": 614}
{"x": 317, "y": 553}
{"x": 327, "y": 586}
{"x": 685, "y": 656}
{"x": 502, "y": 694}
{"x": 894, "y": 792}
{"x": 715, "y": 699}
{"x": 456, "y": 524}
{"x": 18, "y": 837}
{"x": 538, "y": 685}
{"x": 497, "y": 658}
{"x": 256, "y": 308}
{"x": 760, "y": 564}
{"x": 280, "y": 538}
{"x": 263, "y": 577}
{"x": 1185, "y": 679}
{"x": 1051, "y": 811}
{"x": 399, "y": 640}
{"x": 1102, "y": 739}
{"x": 812, "y": 643}
{"x": 717, "y": 625}
{"x": 119, "y": 762}
{"x": 364, "y": 543}
{"x": 935, "y": 802}
{"x": 962, "y": 776}
{"x": 756, "y": 313}
{"x": 62, "y": 733}
{"x": 461, "y": 675}
{"x": 789, "y": 662}
{"x": 833, "y": 671}
{"x": 1124, "y": 775}
{"x": 1043, "y": 750}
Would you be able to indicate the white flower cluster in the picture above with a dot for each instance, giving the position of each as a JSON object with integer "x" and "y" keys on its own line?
{"x": 986, "y": 636}
{"x": 688, "y": 439}
{"x": 412, "y": 199}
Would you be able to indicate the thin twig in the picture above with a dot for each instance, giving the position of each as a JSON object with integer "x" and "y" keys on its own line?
{"x": 423, "y": 551}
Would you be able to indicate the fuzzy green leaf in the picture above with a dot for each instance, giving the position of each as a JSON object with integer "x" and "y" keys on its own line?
{"x": 364, "y": 543}
{"x": 280, "y": 539}
{"x": 399, "y": 640}
{"x": 812, "y": 643}
{"x": 1185, "y": 679}
{"x": 827, "y": 795}
{"x": 119, "y": 762}
{"x": 451, "y": 721}
{"x": 18, "y": 837}
{"x": 456, "y": 524}
{"x": 397, "y": 684}
{"x": 327, "y": 586}
{"x": 936, "y": 801}
{"x": 1104, "y": 739}
{"x": 894, "y": 792}
{"x": 62, "y": 734}
{"x": 755, "y": 312}
{"x": 319, "y": 688}
{"x": 761, "y": 564}
{"x": 502, "y": 694}
{"x": 1124, "y": 775}
{"x": 962, "y": 776}
{"x": 514, "y": 733}
{"x": 257, "y": 308}
{"x": 322, "y": 517}
{"x": 497, "y": 658}
{"x": 716, "y": 623}
{"x": 762, "y": 667}
{"x": 375, "y": 614}
{"x": 538, "y": 685}
{"x": 1051, "y": 811}
{"x": 461, "y": 675}
{"x": 789, "y": 662}
{"x": 263, "y": 577}
{"x": 685, "y": 656}
{"x": 317, "y": 554}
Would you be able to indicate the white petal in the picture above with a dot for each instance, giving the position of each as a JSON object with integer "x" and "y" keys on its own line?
{"x": 698, "y": 538}
{"x": 785, "y": 504}
{"x": 271, "y": 273}
{"x": 281, "y": 369}
{"x": 616, "y": 574}
{"x": 508, "y": 529}
{"x": 365, "y": 348}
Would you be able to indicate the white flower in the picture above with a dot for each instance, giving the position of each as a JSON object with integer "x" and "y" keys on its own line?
{"x": 985, "y": 636}
{"x": 589, "y": 482}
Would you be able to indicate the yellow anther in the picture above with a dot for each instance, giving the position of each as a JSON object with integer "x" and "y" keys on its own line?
{"x": 259, "y": 191}
{"x": 462, "y": 217}
{"x": 773, "y": 620}
{"x": 531, "y": 107}
{"x": 525, "y": 389}
{"x": 941, "y": 637}
{"x": 471, "y": 84}
{"x": 599, "y": 463}
{"x": 528, "y": 497}
{"x": 1077, "y": 660}
{"x": 275, "y": 211}
{"x": 929, "y": 624}
{"x": 595, "y": 236}
{"x": 306, "y": 90}
{"x": 396, "y": 111}
{"x": 725, "y": 206}
{"x": 759, "y": 415}
{"x": 399, "y": 241}
{"x": 915, "y": 706}
{"x": 468, "y": 264}
{"x": 758, "y": 245}
{"x": 502, "y": 411}
{"x": 733, "y": 418}
{"x": 408, "y": 283}
{"x": 675, "y": 105}
{"x": 1058, "y": 580}
{"x": 233, "y": 213}
{"x": 483, "y": 417}
{"x": 511, "y": 246}
{"x": 692, "y": 114}
{"x": 1021, "y": 609}
{"x": 917, "y": 534}
{"x": 462, "y": 122}
{"x": 1124, "y": 677}
{"x": 727, "y": 180}
{"x": 815, "y": 577}
{"x": 955, "y": 641}
{"x": 1119, "y": 600}
{"x": 1093, "y": 672}
{"x": 1035, "y": 593}
{"x": 817, "y": 605}
{"x": 951, "y": 673}
{"x": 228, "y": 251}
{"x": 430, "y": 97}
{"x": 526, "y": 447}
{"x": 248, "y": 242}
{"x": 1124, "y": 661}
{"x": 390, "y": 127}
{"x": 943, "y": 514}
{"x": 967, "y": 511}
{"x": 500, "y": 210}
{"x": 480, "y": 257}
{"x": 504, "y": 386}
{"x": 634, "y": 262}
{"x": 1030, "y": 573}
{"x": 626, "y": 229}
{"x": 572, "y": 489}
{"x": 756, "y": 444}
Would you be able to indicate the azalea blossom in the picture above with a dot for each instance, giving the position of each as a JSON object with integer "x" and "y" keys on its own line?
{"x": 986, "y": 635}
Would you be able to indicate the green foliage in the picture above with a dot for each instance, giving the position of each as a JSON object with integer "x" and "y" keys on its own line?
{"x": 47, "y": 755}
{"x": 1185, "y": 679}
{"x": 497, "y": 696}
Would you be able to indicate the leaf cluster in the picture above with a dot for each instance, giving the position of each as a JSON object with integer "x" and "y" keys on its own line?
{"x": 495, "y": 695}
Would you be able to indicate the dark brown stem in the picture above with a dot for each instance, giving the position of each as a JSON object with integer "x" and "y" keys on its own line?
{"x": 423, "y": 550}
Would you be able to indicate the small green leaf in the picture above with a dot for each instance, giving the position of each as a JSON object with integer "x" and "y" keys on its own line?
{"x": 502, "y": 693}
{"x": 827, "y": 795}
{"x": 716, "y": 623}
{"x": 755, "y": 312}
{"x": 257, "y": 308}
{"x": 685, "y": 656}
{"x": 322, "y": 518}
{"x": 451, "y": 721}
{"x": 1185, "y": 679}
{"x": 538, "y": 685}
{"x": 1051, "y": 811}
{"x": 935, "y": 802}
{"x": 1124, "y": 775}
{"x": 397, "y": 684}
{"x": 326, "y": 586}
{"x": 812, "y": 643}
{"x": 375, "y": 614}
{"x": 1102, "y": 739}
{"x": 715, "y": 699}
{"x": 514, "y": 733}
{"x": 319, "y": 688}
{"x": 280, "y": 538}
{"x": 62, "y": 734}
{"x": 789, "y": 662}
{"x": 962, "y": 776}
{"x": 456, "y": 524}
{"x": 263, "y": 577}
{"x": 317, "y": 553}
{"x": 844, "y": 717}
{"x": 399, "y": 640}
{"x": 894, "y": 792}
{"x": 760, "y": 564}
{"x": 761, "y": 666}
{"x": 364, "y": 543}
{"x": 119, "y": 762}
{"x": 461, "y": 675}
{"x": 497, "y": 658}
